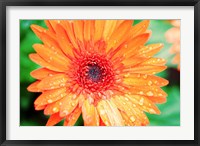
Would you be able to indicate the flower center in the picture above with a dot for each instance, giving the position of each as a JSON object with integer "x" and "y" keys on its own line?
{"x": 94, "y": 73}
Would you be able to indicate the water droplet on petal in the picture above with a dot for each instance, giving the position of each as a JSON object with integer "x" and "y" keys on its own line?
{"x": 152, "y": 111}
{"x": 50, "y": 101}
{"x": 132, "y": 119}
{"x": 145, "y": 76}
{"x": 150, "y": 83}
{"x": 55, "y": 109}
{"x": 141, "y": 101}
{"x": 150, "y": 93}
{"x": 126, "y": 99}
{"x": 141, "y": 92}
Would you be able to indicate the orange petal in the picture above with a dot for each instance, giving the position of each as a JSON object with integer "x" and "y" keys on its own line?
{"x": 132, "y": 46}
{"x": 48, "y": 24}
{"x": 53, "y": 82}
{"x": 109, "y": 113}
{"x": 41, "y": 73}
{"x": 150, "y": 50}
{"x": 64, "y": 41}
{"x": 144, "y": 80}
{"x": 78, "y": 29}
{"x": 109, "y": 27}
{"x": 126, "y": 119}
{"x": 139, "y": 28}
{"x": 151, "y": 91}
{"x": 143, "y": 54}
{"x": 37, "y": 59}
{"x": 73, "y": 117}
{"x": 54, "y": 23}
{"x": 51, "y": 57}
{"x": 90, "y": 115}
{"x": 47, "y": 37}
{"x": 99, "y": 28}
{"x": 144, "y": 103}
{"x": 128, "y": 108}
{"x": 120, "y": 34}
{"x": 53, "y": 107}
{"x": 33, "y": 87}
{"x": 68, "y": 105}
{"x": 88, "y": 29}
{"x": 154, "y": 61}
{"x": 50, "y": 96}
{"x": 120, "y": 22}
{"x": 145, "y": 69}
{"x": 135, "y": 114}
{"x": 156, "y": 99}
{"x": 67, "y": 25}
{"x": 40, "y": 107}
{"x": 54, "y": 119}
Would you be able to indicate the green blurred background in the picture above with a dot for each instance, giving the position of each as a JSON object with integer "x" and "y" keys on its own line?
{"x": 170, "y": 111}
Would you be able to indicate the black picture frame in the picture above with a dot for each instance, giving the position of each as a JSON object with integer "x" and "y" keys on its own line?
{"x": 5, "y": 3}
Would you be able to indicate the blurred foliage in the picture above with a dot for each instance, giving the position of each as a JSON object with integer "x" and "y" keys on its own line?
{"x": 170, "y": 111}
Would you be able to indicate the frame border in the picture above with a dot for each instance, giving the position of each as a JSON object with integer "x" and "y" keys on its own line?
{"x": 5, "y": 3}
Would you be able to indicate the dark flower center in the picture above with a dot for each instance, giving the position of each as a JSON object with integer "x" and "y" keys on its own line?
{"x": 94, "y": 73}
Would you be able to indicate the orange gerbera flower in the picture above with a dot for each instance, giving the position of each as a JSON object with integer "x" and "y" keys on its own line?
{"x": 173, "y": 36}
{"x": 100, "y": 68}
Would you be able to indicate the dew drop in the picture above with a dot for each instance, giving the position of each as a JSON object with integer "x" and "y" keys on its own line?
{"x": 145, "y": 76}
{"x": 65, "y": 112}
{"x": 72, "y": 104}
{"x": 50, "y": 75}
{"x": 150, "y": 83}
{"x": 152, "y": 111}
{"x": 55, "y": 109}
{"x": 132, "y": 119}
{"x": 102, "y": 112}
{"x": 150, "y": 93}
{"x": 126, "y": 99}
{"x": 141, "y": 101}
{"x": 50, "y": 101}
{"x": 141, "y": 92}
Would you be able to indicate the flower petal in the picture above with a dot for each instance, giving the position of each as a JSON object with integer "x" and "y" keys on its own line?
{"x": 90, "y": 115}
{"x": 130, "y": 47}
{"x": 50, "y": 96}
{"x": 139, "y": 28}
{"x": 64, "y": 41}
{"x": 137, "y": 79}
{"x": 154, "y": 61}
{"x": 144, "y": 103}
{"x": 68, "y": 105}
{"x": 53, "y": 82}
{"x": 78, "y": 29}
{"x": 135, "y": 115}
{"x": 145, "y": 69}
{"x": 54, "y": 119}
{"x": 37, "y": 59}
{"x": 99, "y": 28}
{"x": 73, "y": 117}
{"x": 109, "y": 27}
{"x": 120, "y": 34}
{"x": 151, "y": 91}
{"x": 67, "y": 25}
{"x": 53, "y": 107}
{"x": 33, "y": 87}
{"x": 51, "y": 57}
{"x": 41, "y": 73}
{"x": 109, "y": 113}
{"x": 88, "y": 30}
